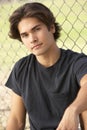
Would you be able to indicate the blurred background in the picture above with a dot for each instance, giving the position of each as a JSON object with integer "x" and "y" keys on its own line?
{"x": 70, "y": 14}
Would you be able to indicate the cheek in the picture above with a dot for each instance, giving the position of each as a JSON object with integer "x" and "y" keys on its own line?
{"x": 26, "y": 44}
{"x": 48, "y": 37}
{"x": 44, "y": 36}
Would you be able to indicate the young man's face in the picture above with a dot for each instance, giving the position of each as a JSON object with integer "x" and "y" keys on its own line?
{"x": 36, "y": 36}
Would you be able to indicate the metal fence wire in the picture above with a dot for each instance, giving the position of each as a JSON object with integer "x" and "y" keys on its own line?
{"x": 72, "y": 16}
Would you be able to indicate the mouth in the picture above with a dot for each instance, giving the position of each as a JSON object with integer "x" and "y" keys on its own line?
{"x": 37, "y": 46}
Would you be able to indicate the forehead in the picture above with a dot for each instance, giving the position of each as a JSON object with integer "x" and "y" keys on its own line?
{"x": 28, "y": 23}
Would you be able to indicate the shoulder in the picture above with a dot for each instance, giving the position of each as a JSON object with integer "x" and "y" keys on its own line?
{"x": 73, "y": 60}
{"x": 73, "y": 56}
{"x": 25, "y": 60}
{"x": 24, "y": 63}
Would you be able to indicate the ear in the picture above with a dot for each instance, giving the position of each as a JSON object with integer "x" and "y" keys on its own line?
{"x": 52, "y": 28}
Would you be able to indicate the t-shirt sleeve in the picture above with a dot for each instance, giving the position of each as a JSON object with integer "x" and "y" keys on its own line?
{"x": 80, "y": 67}
{"x": 12, "y": 82}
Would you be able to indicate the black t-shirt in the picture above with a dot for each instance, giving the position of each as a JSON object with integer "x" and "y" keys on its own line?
{"x": 47, "y": 92}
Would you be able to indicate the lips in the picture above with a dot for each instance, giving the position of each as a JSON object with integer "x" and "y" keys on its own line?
{"x": 36, "y": 46}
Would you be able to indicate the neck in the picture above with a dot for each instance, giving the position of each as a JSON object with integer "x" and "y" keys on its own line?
{"x": 49, "y": 59}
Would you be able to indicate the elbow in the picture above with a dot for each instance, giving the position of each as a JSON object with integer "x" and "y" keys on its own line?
{"x": 15, "y": 125}
{"x": 21, "y": 125}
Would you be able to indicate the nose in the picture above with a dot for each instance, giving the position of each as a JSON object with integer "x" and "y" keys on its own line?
{"x": 33, "y": 38}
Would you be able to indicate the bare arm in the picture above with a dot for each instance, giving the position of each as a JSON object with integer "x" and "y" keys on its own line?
{"x": 17, "y": 116}
{"x": 71, "y": 114}
{"x": 83, "y": 120}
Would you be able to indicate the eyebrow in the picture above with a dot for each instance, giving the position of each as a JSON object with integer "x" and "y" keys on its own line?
{"x": 33, "y": 28}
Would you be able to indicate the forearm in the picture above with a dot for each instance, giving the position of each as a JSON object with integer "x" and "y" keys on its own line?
{"x": 83, "y": 120}
{"x": 78, "y": 106}
{"x": 73, "y": 111}
{"x": 14, "y": 125}
{"x": 80, "y": 103}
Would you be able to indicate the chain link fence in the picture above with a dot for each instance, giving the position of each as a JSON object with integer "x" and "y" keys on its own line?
{"x": 72, "y": 16}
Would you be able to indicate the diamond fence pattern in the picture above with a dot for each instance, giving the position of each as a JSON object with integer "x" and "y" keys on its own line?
{"x": 72, "y": 16}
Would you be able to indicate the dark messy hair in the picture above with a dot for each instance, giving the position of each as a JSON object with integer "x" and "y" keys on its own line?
{"x": 36, "y": 10}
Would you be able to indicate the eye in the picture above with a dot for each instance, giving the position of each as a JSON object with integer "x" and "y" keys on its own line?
{"x": 24, "y": 35}
{"x": 37, "y": 29}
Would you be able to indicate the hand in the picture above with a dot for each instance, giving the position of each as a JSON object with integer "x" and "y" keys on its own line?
{"x": 69, "y": 121}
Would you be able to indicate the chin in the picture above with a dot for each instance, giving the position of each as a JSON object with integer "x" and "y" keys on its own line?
{"x": 38, "y": 54}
